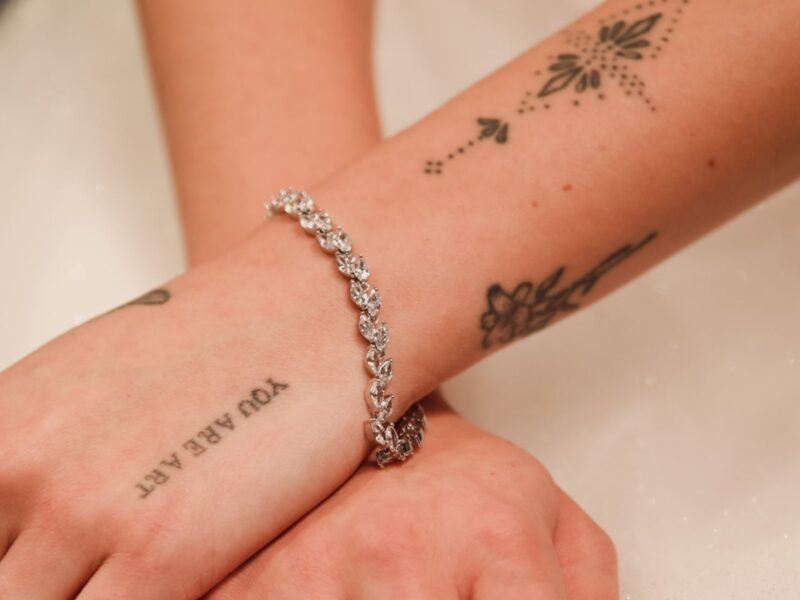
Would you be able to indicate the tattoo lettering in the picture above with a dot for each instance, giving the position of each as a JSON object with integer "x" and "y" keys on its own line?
{"x": 587, "y": 68}
{"x": 210, "y": 435}
{"x": 529, "y": 308}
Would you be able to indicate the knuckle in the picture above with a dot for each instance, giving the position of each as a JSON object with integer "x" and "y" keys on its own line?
{"x": 303, "y": 559}
{"x": 397, "y": 542}
{"x": 601, "y": 545}
{"x": 504, "y": 532}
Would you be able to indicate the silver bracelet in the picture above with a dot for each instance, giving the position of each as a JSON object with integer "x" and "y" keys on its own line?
{"x": 396, "y": 441}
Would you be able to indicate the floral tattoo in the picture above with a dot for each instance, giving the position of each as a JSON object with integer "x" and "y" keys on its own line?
{"x": 530, "y": 307}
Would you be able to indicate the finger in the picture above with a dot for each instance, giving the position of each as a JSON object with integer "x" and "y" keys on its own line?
{"x": 254, "y": 583}
{"x": 538, "y": 578}
{"x": 119, "y": 578}
{"x": 523, "y": 564}
{"x": 409, "y": 585}
{"x": 586, "y": 554}
{"x": 40, "y": 565}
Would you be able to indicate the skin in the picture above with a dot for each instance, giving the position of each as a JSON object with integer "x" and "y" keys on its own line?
{"x": 427, "y": 539}
{"x": 247, "y": 92}
{"x": 137, "y": 382}
{"x": 219, "y": 145}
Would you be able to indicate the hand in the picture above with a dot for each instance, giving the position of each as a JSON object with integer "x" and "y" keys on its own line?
{"x": 129, "y": 468}
{"x": 471, "y": 517}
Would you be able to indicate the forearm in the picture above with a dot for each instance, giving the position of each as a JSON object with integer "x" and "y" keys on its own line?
{"x": 255, "y": 94}
{"x": 573, "y": 184}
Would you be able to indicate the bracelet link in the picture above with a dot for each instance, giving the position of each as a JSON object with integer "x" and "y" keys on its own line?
{"x": 396, "y": 441}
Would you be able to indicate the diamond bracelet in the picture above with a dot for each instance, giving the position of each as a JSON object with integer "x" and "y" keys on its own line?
{"x": 396, "y": 441}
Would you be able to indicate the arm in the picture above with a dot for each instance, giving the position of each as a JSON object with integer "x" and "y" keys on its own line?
{"x": 476, "y": 517}
{"x": 151, "y": 377}
{"x": 548, "y": 189}
{"x": 263, "y": 139}
{"x": 255, "y": 94}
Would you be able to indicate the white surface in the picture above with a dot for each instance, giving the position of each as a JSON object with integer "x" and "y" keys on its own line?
{"x": 669, "y": 411}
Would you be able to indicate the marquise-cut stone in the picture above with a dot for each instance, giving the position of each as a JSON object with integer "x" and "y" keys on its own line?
{"x": 388, "y": 400}
{"x": 381, "y": 337}
{"x": 367, "y": 327}
{"x": 344, "y": 262}
{"x": 305, "y": 203}
{"x": 359, "y": 269}
{"x": 315, "y": 221}
{"x": 326, "y": 241}
{"x": 377, "y": 429}
{"x": 375, "y": 392}
{"x": 372, "y": 302}
{"x": 278, "y": 202}
{"x": 385, "y": 371}
{"x": 383, "y": 414}
{"x": 358, "y": 292}
{"x": 373, "y": 359}
{"x": 390, "y": 436}
{"x": 290, "y": 202}
{"x": 307, "y": 221}
{"x": 341, "y": 241}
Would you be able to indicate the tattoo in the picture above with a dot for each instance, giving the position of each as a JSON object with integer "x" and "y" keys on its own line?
{"x": 151, "y": 298}
{"x": 588, "y": 68}
{"x": 211, "y": 435}
{"x": 529, "y": 308}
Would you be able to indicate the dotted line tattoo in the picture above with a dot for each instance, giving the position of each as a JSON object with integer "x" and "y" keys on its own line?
{"x": 591, "y": 68}
{"x": 208, "y": 437}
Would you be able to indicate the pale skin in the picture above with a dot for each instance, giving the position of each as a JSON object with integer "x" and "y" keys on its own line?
{"x": 264, "y": 130}
{"x": 141, "y": 380}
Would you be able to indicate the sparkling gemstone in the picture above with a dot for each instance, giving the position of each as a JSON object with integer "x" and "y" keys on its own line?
{"x": 352, "y": 266}
{"x": 305, "y": 203}
{"x": 383, "y": 414}
{"x": 326, "y": 240}
{"x": 372, "y": 302}
{"x": 341, "y": 241}
{"x": 381, "y": 337}
{"x": 290, "y": 198}
{"x": 307, "y": 221}
{"x": 315, "y": 221}
{"x": 384, "y": 372}
{"x": 358, "y": 292}
{"x": 373, "y": 359}
{"x": 359, "y": 268}
{"x": 390, "y": 437}
{"x": 377, "y": 429}
{"x": 278, "y": 202}
{"x": 388, "y": 402}
{"x": 367, "y": 327}
{"x": 344, "y": 262}
{"x": 375, "y": 391}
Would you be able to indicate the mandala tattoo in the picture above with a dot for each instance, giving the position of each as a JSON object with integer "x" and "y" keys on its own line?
{"x": 589, "y": 69}
{"x": 529, "y": 307}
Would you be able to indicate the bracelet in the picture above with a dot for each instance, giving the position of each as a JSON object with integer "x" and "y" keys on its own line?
{"x": 396, "y": 441}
